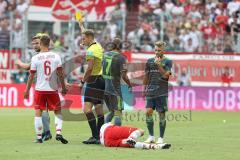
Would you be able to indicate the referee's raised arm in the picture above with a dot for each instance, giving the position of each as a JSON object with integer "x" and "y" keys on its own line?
{"x": 80, "y": 23}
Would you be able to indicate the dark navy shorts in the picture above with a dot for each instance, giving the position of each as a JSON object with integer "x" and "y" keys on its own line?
{"x": 160, "y": 104}
{"x": 94, "y": 91}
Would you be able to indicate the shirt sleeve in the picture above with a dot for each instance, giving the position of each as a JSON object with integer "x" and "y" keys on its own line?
{"x": 33, "y": 66}
{"x": 89, "y": 54}
{"x": 59, "y": 62}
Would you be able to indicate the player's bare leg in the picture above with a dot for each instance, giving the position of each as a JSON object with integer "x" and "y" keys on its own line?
{"x": 134, "y": 136}
{"x": 150, "y": 125}
{"x": 38, "y": 125}
{"x": 92, "y": 123}
{"x": 58, "y": 123}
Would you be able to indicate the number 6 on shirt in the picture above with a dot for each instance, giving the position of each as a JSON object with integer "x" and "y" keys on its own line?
{"x": 47, "y": 68}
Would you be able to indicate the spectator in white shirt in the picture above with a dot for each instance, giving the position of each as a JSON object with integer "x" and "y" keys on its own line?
{"x": 178, "y": 10}
{"x": 189, "y": 47}
{"x": 233, "y": 6}
{"x": 210, "y": 4}
{"x": 194, "y": 13}
{"x": 112, "y": 28}
{"x": 134, "y": 38}
{"x": 18, "y": 36}
{"x": 184, "y": 36}
{"x": 153, "y": 3}
{"x": 169, "y": 5}
{"x": 146, "y": 47}
{"x": 3, "y": 7}
{"x": 184, "y": 79}
{"x": 22, "y": 7}
{"x": 194, "y": 35}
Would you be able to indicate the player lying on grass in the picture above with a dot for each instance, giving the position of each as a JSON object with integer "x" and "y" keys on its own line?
{"x": 48, "y": 67}
{"x": 46, "y": 135}
{"x": 122, "y": 136}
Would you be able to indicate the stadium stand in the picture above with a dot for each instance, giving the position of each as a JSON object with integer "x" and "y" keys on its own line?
{"x": 192, "y": 26}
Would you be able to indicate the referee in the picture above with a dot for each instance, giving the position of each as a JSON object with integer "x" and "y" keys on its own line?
{"x": 95, "y": 85}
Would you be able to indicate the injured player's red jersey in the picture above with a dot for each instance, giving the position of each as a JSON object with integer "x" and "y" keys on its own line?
{"x": 113, "y": 136}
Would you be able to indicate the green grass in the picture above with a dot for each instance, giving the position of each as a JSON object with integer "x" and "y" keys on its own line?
{"x": 204, "y": 137}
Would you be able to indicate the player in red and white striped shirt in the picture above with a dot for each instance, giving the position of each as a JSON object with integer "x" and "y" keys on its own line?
{"x": 48, "y": 68}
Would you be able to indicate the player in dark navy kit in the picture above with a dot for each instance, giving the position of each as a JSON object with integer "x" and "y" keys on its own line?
{"x": 157, "y": 72}
{"x": 114, "y": 68}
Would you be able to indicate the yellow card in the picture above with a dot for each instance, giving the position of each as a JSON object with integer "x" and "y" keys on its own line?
{"x": 78, "y": 16}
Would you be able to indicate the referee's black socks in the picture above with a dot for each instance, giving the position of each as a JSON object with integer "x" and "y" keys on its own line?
{"x": 100, "y": 123}
{"x": 92, "y": 123}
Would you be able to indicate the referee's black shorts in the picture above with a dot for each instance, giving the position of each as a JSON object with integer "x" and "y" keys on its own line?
{"x": 94, "y": 91}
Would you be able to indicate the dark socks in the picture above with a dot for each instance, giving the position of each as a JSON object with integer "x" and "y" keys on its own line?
{"x": 92, "y": 123}
{"x": 150, "y": 123}
{"x": 100, "y": 123}
{"x": 162, "y": 126}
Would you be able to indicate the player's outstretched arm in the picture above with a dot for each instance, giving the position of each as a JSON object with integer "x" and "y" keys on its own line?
{"x": 80, "y": 23}
{"x": 22, "y": 65}
{"x": 61, "y": 78}
{"x": 29, "y": 84}
{"x": 126, "y": 79}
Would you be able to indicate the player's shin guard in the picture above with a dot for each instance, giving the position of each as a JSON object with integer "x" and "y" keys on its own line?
{"x": 45, "y": 121}
{"x": 109, "y": 117}
{"x": 38, "y": 127}
{"x": 150, "y": 124}
{"x": 58, "y": 123}
{"x": 162, "y": 126}
{"x": 92, "y": 123}
{"x": 100, "y": 123}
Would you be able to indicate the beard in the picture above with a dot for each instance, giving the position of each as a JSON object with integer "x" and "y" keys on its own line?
{"x": 37, "y": 49}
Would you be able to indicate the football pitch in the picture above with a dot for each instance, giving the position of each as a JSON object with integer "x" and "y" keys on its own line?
{"x": 200, "y": 136}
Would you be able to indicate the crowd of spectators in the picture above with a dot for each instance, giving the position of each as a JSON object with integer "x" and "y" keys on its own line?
{"x": 208, "y": 26}
{"x": 211, "y": 26}
{"x": 15, "y": 10}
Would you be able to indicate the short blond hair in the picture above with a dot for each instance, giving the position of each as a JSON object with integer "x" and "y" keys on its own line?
{"x": 160, "y": 44}
{"x": 89, "y": 32}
